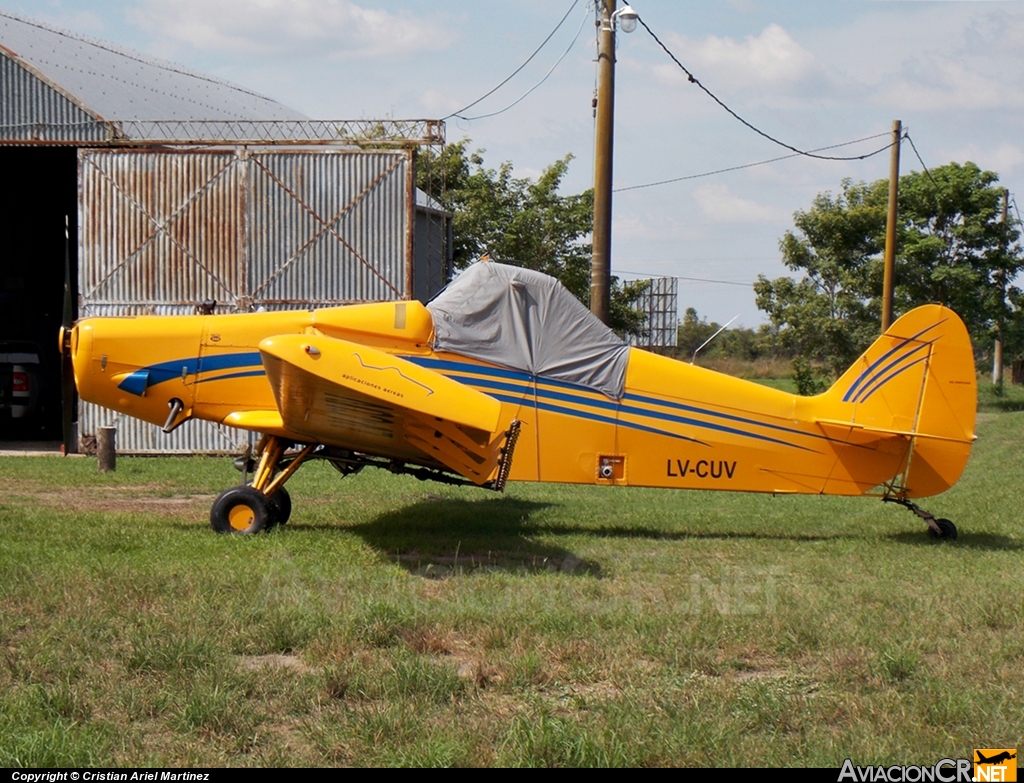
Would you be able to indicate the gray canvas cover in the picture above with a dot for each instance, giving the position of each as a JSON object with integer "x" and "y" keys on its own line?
{"x": 528, "y": 321}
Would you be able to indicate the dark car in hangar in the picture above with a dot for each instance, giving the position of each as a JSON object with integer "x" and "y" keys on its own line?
{"x": 26, "y": 389}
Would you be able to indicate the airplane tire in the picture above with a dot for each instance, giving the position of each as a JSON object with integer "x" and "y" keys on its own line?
{"x": 280, "y": 506}
{"x": 241, "y": 511}
{"x": 948, "y": 530}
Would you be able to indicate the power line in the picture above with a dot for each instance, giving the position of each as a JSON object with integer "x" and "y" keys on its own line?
{"x": 913, "y": 146}
{"x": 517, "y": 70}
{"x": 709, "y": 280}
{"x": 538, "y": 84}
{"x": 747, "y": 165}
{"x": 694, "y": 80}
{"x": 681, "y": 277}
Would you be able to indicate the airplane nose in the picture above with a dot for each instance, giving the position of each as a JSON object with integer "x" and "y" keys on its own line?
{"x": 79, "y": 343}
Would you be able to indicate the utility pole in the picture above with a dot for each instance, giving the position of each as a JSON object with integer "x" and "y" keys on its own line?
{"x": 601, "y": 260}
{"x": 997, "y": 352}
{"x": 890, "y": 225}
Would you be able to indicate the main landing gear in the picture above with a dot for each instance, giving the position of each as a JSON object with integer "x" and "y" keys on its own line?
{"x": 937, "y": 528}
{"x": 257, "y": 506}
{"x": 265, "y": 502}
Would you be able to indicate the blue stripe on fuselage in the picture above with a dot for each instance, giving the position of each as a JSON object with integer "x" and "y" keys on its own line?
{"x": 193, "y": 365}
{"x": 604, "y": 403}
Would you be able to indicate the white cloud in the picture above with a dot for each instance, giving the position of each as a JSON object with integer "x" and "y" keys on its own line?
{"x": 950, "y": 85}
{"x": 720, "y": 205}
{"x": 1001, "y": 159}
{"x": 922, "y": 57}
{"x": 770, "y": 58}
{"x": 331, "y": 28}
{"x": 648, "y": 226}
{"x": 438, "y": 104}
{"x": 83, "y": 22}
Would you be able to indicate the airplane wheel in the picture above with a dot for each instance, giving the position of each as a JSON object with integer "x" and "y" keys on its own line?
{"x": 241, "y": 510}
{"x": 280, "y": 506}
{"x": 948, "y": 530}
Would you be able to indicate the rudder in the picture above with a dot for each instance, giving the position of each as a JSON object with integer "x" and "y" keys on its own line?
{"x": 916, "y": 384}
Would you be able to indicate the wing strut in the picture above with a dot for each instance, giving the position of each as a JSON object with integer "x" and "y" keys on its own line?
{"x": 505, "y": 463}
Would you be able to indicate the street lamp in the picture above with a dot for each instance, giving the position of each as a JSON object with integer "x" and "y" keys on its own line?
{"x": 601, "y": 264}
{"x": 626, "y": 18}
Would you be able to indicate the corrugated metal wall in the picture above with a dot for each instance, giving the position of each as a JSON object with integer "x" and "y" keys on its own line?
{"x": 53, "y": 117}
{"x": 161, "y": 231}
{"x": 432, "y": 247}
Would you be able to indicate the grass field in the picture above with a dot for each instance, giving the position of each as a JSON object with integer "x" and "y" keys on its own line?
{"x": 400, "y": 623}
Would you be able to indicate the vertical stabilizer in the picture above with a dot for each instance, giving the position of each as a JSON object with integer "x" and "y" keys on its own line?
{"x": 913, "y": 393}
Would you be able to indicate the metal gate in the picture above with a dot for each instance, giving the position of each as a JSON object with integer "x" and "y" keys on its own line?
{"x": 162, "y": 231}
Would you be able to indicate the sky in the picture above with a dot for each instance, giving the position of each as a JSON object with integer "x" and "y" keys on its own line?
{"x": 812, "y": 74}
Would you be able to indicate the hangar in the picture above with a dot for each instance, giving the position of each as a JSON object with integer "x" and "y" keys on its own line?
{"x": 181, "y": 191}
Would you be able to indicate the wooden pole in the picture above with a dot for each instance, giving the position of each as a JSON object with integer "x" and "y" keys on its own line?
{"x": 106, "y": 451}
{"x": 601, "y": 258}
{"x": 997, "y": 351}
{"x": 890, "y": 226}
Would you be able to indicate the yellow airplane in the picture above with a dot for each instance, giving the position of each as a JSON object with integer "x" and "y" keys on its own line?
{"x": 506, "y": 376}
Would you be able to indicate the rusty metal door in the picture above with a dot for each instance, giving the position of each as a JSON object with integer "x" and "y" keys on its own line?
{"x": 161, "y": 231}
{"x": 329, "y": 228}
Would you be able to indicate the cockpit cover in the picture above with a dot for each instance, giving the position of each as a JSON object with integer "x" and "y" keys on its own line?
{"x": 528, "y": 321}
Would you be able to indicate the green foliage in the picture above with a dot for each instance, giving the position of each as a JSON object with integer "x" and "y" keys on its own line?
{"x": 832, "y": 313}
{"x": 809, "y": 381}
{"x": 951, "y": 247}
{"x": 521, "y": 222}
{"x": 743, "y": 344}
{"x": 693, "y": 331}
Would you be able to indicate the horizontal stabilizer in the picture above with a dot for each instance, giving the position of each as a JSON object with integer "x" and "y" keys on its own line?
{"x": 843, "y": 427}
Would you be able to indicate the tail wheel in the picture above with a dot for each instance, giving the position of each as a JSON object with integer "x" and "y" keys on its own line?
{"x": 241, "y": 510}
{"x": 948, "y": 530}
{"x": 281, "y": 506}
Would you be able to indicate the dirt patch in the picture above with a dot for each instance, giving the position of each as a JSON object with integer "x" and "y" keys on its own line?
{"x": 251, "y": 663}
{"x": 479, "y": 672}
{"x": 752, "y": 675}
{"x": 117, "y": 499}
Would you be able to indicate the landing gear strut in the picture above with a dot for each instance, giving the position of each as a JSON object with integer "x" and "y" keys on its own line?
{"x": 265, "y": 502}
{"x": 937, "y": 528}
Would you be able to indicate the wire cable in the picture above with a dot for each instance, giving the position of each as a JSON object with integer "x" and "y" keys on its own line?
{"x": 517, "y": 70}
{"x": 709, "y": 280}
{"x": 681, "y": 277}
{"x": 749, "y": 165}
{"x": 913, "y": 146}
{"x": 538, "y": 84}
{"x": 1013, "y": 201}
{"x": 694, "y": 80}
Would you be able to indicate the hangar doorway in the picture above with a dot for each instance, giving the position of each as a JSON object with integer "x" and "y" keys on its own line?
{"x": 40, "y": 189}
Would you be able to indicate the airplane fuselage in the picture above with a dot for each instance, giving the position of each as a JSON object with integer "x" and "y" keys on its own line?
{"x": 676, "y": 425}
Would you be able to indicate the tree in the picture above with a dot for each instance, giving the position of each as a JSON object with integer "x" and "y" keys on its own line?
{"x": 951, "y": 248}
{"x": 692, "y": 332}
{"x": 521, "y": 222}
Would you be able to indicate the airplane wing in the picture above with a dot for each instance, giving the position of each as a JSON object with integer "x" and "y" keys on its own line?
{"x": 356, "y": 397}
